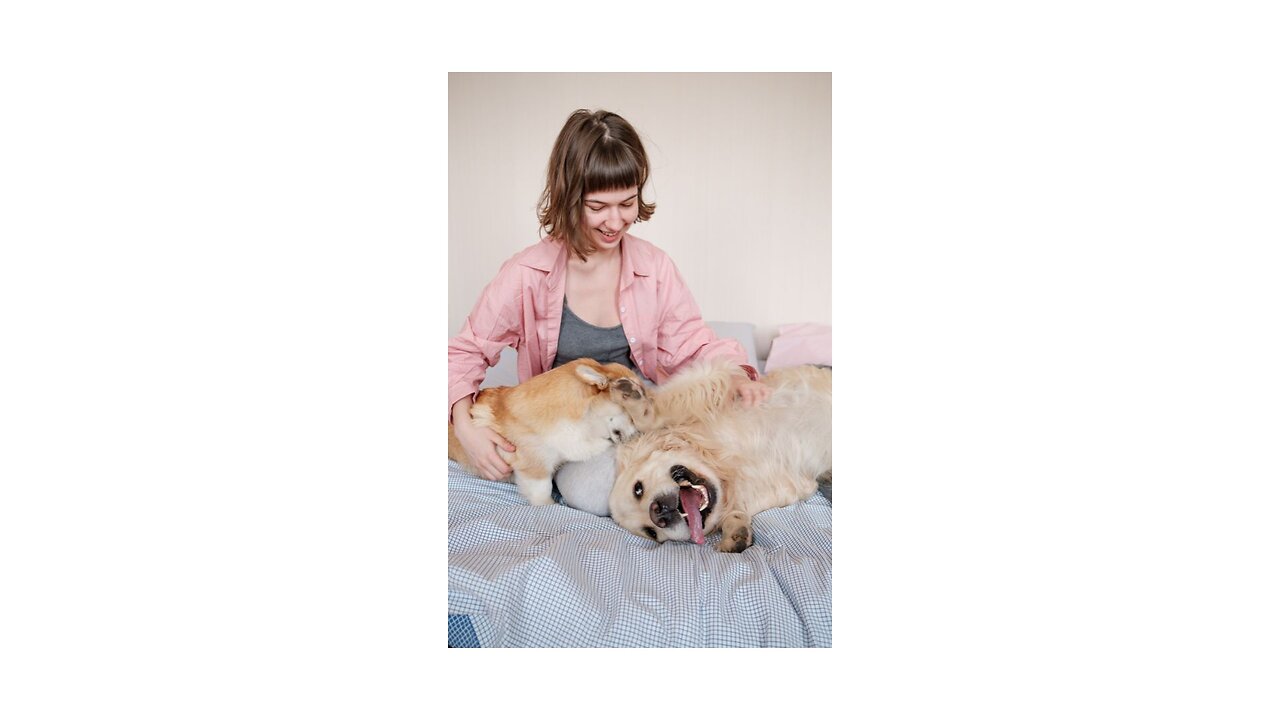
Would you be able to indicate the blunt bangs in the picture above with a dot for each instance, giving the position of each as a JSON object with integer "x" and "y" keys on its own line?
{"x": 612, "y": 167}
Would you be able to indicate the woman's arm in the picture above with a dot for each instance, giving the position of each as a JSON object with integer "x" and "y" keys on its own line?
{"x": 493, "y": 325}
{"x": 683, "y": 336}
{"x": 480, "y": 442}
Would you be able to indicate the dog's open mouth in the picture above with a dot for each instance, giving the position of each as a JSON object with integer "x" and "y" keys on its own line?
{"x": 696, "y": 500}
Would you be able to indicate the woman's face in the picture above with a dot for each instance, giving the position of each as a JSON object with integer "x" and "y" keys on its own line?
{"x": 607, "y": 214}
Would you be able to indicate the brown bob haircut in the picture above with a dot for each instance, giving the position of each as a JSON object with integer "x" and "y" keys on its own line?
{"x": 595, "y": 151}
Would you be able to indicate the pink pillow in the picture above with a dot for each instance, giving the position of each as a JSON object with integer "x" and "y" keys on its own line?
{"x": 800, "y": 344}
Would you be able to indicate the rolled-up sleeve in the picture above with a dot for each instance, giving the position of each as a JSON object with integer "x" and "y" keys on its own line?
{"x": 494, "y": 324}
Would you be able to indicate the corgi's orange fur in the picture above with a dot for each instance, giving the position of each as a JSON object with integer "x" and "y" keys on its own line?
{"x": 569, "y": 413}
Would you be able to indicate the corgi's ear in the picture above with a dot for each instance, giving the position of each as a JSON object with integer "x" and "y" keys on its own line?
{"x": 590, "y": 376}
{"x": 628, "y": 389}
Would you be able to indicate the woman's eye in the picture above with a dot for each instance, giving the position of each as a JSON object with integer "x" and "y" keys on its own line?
{"x": 638, "y": 489}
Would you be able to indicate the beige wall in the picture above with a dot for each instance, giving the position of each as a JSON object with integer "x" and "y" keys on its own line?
{"x": 741, "y": 174}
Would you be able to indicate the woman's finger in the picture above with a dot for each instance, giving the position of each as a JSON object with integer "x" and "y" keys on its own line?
{"x": 498, "y": 467}
{"x": 495, "y": 473}
{"x": 504, "y": 443}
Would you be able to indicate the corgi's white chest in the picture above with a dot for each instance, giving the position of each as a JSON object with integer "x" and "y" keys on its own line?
{"x": 578, "y": 441}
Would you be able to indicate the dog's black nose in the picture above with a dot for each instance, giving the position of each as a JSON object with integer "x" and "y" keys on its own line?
{"x": 680, "y": 473}
{"x": 664, "y": 510}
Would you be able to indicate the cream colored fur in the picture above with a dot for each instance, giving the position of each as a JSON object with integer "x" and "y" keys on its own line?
{"x": 569, "y": 413}
{"x": 750, "y": 459}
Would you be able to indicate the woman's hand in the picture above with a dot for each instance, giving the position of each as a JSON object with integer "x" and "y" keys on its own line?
{"x": 481, "y": 443}
{"x": 751, "y": 392}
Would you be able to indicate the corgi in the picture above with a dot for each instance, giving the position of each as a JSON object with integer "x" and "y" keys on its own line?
{"x": 569, "y": 413}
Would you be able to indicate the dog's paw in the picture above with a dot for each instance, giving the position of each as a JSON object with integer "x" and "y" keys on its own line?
{"x": 736, "y": 535}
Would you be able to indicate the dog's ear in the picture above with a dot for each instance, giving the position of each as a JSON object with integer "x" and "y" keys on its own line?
{"x": 591, "y": 376}
{"x": 627, "y": 389}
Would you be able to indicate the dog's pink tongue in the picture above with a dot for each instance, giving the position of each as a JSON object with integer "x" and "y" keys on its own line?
{"x": 690, "y": 499}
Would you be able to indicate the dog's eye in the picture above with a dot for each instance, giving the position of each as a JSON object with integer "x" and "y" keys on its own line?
{"x": 652, "y": 535}
{"x": 638, "y": 489}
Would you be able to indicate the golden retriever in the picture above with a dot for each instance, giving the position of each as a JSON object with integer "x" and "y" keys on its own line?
{"x": 714, "y": 464}
{"x": 572, "y": 412}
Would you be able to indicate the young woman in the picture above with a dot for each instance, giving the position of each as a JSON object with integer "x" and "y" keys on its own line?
{"x": 588, "y": 289}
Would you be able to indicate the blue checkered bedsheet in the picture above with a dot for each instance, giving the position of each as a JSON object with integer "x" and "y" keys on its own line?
{"x": 553, "y": 576}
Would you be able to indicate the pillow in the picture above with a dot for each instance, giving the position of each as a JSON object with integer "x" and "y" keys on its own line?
{"x": 801, "y": 344}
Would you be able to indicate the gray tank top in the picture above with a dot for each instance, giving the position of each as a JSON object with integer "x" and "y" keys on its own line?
{"x": 579, "y": 339}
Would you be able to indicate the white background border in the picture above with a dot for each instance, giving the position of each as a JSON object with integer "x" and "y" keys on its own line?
{"x": 223, "y": 235}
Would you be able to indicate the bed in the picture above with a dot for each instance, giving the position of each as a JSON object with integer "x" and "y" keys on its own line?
{"x": 555, "y": 576}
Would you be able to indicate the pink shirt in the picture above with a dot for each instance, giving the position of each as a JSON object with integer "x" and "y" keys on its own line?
{"x": 521, "y": 308}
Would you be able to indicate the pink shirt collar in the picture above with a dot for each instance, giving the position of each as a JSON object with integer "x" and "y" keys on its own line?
{"x": 552, "y": 257}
